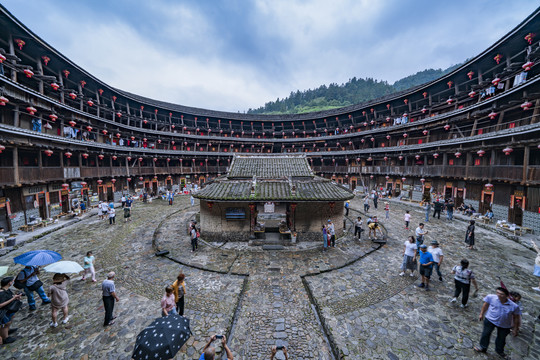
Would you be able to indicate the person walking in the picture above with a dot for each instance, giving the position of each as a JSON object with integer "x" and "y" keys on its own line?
{"x": 28, "y": 279}
{"x": 536, "y": 271}
{"x": 192, "y": 199}
{"x": 168, "y": 305}
{"x": 438, "y": 257}
{"x": 179, "y": 291}
{"x": 420, "y": 234}
{"x": 463, "y": 277}
{"x": 387, "y": 210}
{"x": 6, "y": 298}
{"x": 325, "y": 238}
{"x": 112, "y": 214}
{"x": 407, "y": 218}
{"x": 332, "y": 233}
{"x": 358, "y": 227}
{"x": 409, "y": 257}
{"x": 347, "y": 205}
{"x": 450, "y": 210}
{"x": 469, "y": 235}
{"x": 193, "y": 235}
{"x": 127, "y": 209}
{"x": 59, "y": 298}
{"x": 104, "y": 210}
{"x": 498, "y": 312}
{"x": 426, "y": 266}
{"x": 366, "y": 203}
{"x": 375, "y": 199}
{"x": 88, "y": 266}
{"x": 109, "y": 296}
{"x": 100, "y": 210}
{"x": 123, "y": 199}
{"x": 427, "y": 207}
{"x": 437, "y": 207}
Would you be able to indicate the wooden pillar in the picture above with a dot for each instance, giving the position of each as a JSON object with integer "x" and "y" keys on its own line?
{"x": 61, "y": 83}
{"x": 526, "y": 153}
{"x": 468, "y": 157}
{"x": 12, "y": 52}
{"x": 16, "y": 116}
{"x": 16, "y": 179}
{"x": 39, "y": 68}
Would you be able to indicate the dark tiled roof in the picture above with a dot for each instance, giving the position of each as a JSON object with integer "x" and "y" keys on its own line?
{"x": 269, "y": 167}
{"x": 317, "y": 189}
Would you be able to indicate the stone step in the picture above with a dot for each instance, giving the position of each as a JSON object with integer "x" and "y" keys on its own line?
{"x": 273, "y": 247}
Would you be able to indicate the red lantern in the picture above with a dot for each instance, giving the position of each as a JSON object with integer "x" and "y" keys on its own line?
{"x": 144, "y": 139}
{"x": 417, "y": 157}
{"x": 457, "y": 154}
{"x": 2, "y": 58}
{"x": 32, "y": 110}
{"x": 436, "y": 155}
{"x": 400, "y": 157}
{"x": 172, "y": 142}
{"x": 422, "y": 180}
{"x": 386, "y": 177}
{"x": 29, "y": 73}
{"x": 425, "y": 94}
{"x": 129, "y": 179}
{"x": 90, "y": 103}
{"x": 100, "y": 181}
{"x": 85, "y": 155}
{"x": 104, "y": 132}
{"x": 492, "y": 115}
{"x": 48, "y": 152}
{"x": 145, "y": 121}
{"x": 84, "y": 183}
{"x": 140, "y": 159}
{"x": 386, "y": 158}
{"x": 447, "y": 127}
{"x": 55, "y": 86}
{"x": 100, "y": 91}
{"x": 2, "y": 148}
{"x": 66, "y": 73}
{"x": 388, "y": 137}
{"x": 372, "y": 139}
{"x": 159, "y": 141}
{"x": 113, "y": 180}
{"x": 68, "y": 154}
{"x": 118, "y": 135}
{"x": 388, "y": 118}
{"x": 472, "y": 94}
{"x": 497, "y": 58}
{"x": 53, "y": 117}
{"x": 470, "y": 74}
{"x": 450, "y": 83}
{"x": 72, "y": 95}
{"x": 405, "y": 135}
{"x": 529, "y": 38}
{"x": 527, "y": 66}
{"x": 403, "y": 179}
{"x": 119, "y": 114}
{"x": 168, "y": 159}
{"x": 114, "y": 157}
{"x": 114, "y": 98}
{"x": 371, "y": 176}
{"x": 489, "y": 186}
{"x": 507, "y": 150}
{"x": 425, "y": 132}
{"x": 72, "y": 123}
{"x": 480, "y": 153}
{"x": 141, "y": 178}
{"x": 3, "y": 100}
{"x": 101, "y": 156}
{"x": 129, "y": 158}
{"x": 406, "y": 101}
{"x": 370, "y": 159}
{"x": 155, "y": 159}
{"x": 65, "y": 186}
{"x": 83, "y": 83}
{"x": 526, "y": 105}
{"x": 496, "y": 81}
{"x": 424, "y": 110}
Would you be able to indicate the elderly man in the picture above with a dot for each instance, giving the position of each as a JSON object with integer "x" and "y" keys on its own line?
{"x": 109, "y": 296}
{"x": 498, "y": 312}
{"x": 209, "y": 352}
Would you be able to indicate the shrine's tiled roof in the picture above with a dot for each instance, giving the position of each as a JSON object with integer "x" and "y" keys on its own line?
{"x": 269, "y": 167}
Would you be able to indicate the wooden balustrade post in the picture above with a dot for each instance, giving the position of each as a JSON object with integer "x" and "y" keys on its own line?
{"x": 526, "y": 153}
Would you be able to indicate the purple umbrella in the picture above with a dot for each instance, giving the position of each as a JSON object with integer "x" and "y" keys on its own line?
{"x": 38, "y": 258}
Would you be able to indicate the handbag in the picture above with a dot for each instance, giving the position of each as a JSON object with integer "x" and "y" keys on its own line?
{"x": 35, "y": 286}
{"x": 13, "y": 306}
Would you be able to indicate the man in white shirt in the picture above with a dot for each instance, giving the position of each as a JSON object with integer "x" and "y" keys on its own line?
{"x": 438, "y": 256}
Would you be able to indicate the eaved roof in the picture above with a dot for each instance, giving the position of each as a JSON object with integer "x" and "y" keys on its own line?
{"x": 269, "y": 166}
{"x": 272, "y": 178}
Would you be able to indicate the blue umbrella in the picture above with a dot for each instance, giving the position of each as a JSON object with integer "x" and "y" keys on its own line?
{"x": 38, "y": 258}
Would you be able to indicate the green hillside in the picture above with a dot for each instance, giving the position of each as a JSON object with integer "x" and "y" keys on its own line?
{"x": 352, "y": 92}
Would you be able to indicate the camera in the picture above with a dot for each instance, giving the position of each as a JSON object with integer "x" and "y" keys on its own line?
{"x": 279, "y": 347}
{"x": 219, "y": 336}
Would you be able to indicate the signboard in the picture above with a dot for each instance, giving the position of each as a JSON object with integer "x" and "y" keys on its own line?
{"x": 269, "y": 207}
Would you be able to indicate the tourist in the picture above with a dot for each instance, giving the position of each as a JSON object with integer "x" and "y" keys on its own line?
{"x": 109, "y": 296}
{"x": 536, "y": 271}
{"x": 193, "y": 235}
{"x": 498, "y": 312}
{"x": 469, "y": 235}
{"x": 463, "y": 277}
{"x": 28, "y": 281}
{"x": 409, "y": 257}
{"x": 387, "y": 210}
{"x": 375, "y": 199}
{"x": 325, "y": 238}
{"x": 420, "y": 234}
{"x": 438, "y": 256}
{"x": 59, "y": 298}
{"x": 100, "y": 211}
{"x": 192, "y": 200}
{"x": 123, "y": 200}
{"x": 83, "y": 207}
{"x": 450, "y": 210}
{"x": 127, "y": 209}
{"x": 366, "y": 203}
{"x": 427, "y": 207}
{"x": 275, "y": 349}
{"x": 437, "y": 207}
{"x": 358, "y": 227}
{"x": 12, "y": 301}
{"x": 373, "y": 226}
{"x": 347, "y": 205}
{"x": 112, "y": 215}
{"x": 407, "y": 218}
{"x": 179, "y": 291}
{"x": 332, "y": 232}
{"x": 104, "y": 209}
{"x": 209, "y": 352}
{"x": 170, "y": 197}
{"x": 88, "y": 266}
{"x": 145, "y": 197}
{"x": 168, "y": 305}
{"x": 426, "y": 266}
{"x": 489, "y": 214}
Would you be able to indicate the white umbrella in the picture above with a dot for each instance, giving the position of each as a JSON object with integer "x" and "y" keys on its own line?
{"x": 64, "y": 267}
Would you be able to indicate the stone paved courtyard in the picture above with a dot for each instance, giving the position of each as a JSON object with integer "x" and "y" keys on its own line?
{"x": 349, "y": 301}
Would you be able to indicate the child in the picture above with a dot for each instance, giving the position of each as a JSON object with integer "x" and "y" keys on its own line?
{"x": 59, "y": 298}
{"x": 89, "y": 266}
{"x": 112, "y": 215}
{"x": 387, "y": 209}
{"x": 407, "y": 219}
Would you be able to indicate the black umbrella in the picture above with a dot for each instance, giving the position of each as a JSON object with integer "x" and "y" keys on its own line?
{"x": 162, "y": 339}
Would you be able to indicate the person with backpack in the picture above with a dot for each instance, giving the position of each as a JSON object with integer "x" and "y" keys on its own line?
{"x": 28, "y": 280}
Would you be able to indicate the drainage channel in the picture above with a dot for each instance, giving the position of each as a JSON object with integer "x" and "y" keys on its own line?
{"x": 237, "y": 308}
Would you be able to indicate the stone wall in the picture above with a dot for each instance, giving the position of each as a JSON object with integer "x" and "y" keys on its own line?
{"x": 500, "y": 212}
{"x": 215, "y": 227}
{"x": 532, "y": 220}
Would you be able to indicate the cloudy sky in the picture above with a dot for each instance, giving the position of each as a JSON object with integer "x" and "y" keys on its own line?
{"x": 233, "y": 55}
